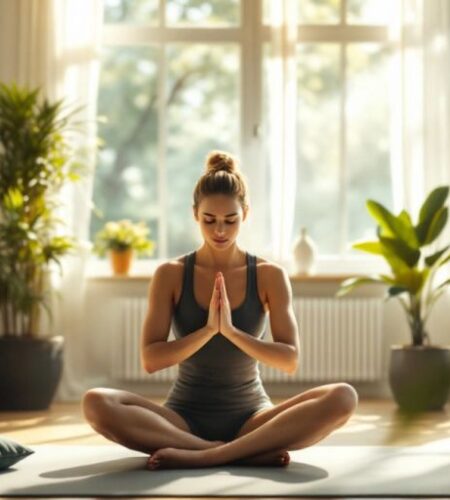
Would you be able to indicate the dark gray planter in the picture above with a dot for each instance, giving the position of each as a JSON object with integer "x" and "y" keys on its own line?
{"x": 30, "y": 371}
{"x": 419, "y": 377}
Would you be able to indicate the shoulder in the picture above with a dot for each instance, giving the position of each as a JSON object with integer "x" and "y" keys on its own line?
{"x": 169, "y": 270}
{"x": 273, "y": 280}
{"x": 270, "y": 270}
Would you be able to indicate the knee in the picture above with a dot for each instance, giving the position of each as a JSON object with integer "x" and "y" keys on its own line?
{"x": 95, "y": 404}
{"x": 343, "y": 399}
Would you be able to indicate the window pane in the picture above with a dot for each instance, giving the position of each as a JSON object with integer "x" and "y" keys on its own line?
{"x": 317, "y": 203}
{"x": 368, "y": 138}
{"x": 125, "y": 179}
{"x": 372, "y": 11}
{"x": 199, "y": 12}
{"x": 203, "y": 114}
{"x": 311, "y": 11}
{"x": 131, "y": 11}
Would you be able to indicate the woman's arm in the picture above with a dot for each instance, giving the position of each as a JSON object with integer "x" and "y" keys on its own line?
{"x": 156, "y": 352}
{"x": 163, "y": 354}
{"x": 283, "y": 352}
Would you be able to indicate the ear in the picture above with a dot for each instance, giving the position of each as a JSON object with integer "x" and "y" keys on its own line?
{"x": 245, "y": 213}
{"x": 195, "y": 212}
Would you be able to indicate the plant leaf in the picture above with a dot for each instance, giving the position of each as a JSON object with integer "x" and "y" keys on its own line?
{"x": 369, "y": 246}
{"x": 437, "y": 225}
{"x": 392, "y": 226}
{"x": 398, "y": 248}
{"x": 349, "y": 284}
{"x": 433, "y": 203}
{"x": 431, "y": 259}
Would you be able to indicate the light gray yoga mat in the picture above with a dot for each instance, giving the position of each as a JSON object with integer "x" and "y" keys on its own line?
{"x": 112, "y": 470}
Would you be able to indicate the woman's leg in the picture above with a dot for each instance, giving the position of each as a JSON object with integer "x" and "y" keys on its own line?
{"x": 297, "y": 427}
{"x": 137, "y": 423}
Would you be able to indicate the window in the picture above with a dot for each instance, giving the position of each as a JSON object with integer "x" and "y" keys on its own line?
{"x": 182, "y": 77}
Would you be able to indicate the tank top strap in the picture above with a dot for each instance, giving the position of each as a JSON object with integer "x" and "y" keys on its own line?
{"x": 188, "y": 276}
{"x": 252, "y": 288}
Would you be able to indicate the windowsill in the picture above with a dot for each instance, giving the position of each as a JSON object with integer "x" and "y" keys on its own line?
{"x": 327, "y": 269}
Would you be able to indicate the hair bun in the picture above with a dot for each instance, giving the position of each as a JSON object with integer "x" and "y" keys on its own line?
{"x": 220, "y": 160}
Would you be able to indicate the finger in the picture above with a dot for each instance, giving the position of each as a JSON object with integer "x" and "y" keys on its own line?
{"x": 222, "y": 287}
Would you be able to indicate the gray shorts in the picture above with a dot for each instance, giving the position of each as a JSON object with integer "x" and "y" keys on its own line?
{"x": 214, "y": 426}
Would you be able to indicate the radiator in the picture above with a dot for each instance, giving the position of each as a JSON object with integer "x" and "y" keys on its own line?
{"x": 340, "y": 339}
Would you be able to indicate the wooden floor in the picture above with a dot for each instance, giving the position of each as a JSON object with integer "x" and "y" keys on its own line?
{"x": 376, "y": 422}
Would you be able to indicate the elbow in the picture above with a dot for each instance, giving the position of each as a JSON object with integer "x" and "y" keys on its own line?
{"x": 293, "y": 365}
{"x": 148, "y": 368}
{"x": 292, "y": 370}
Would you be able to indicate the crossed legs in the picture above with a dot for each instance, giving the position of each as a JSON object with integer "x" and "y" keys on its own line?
{"x": 297, "y": 426}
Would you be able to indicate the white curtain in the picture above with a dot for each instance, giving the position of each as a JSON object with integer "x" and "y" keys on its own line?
{"x": 55, "y": 44}
{"x": 424, "y": 96}
{"x": 420, "y": 104}
{"x": 423, "y": 125}
{"x": 282, "y": 87}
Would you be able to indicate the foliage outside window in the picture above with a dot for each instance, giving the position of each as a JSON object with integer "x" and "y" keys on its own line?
{"x": 173, "y": 86}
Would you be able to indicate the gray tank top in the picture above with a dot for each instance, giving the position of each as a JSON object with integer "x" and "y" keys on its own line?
{"x": 219, "y": 375}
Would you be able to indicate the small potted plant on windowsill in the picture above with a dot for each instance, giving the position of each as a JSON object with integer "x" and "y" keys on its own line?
{"x": 419, "y": 374}
{"x": 37, "y": 159}
{"x": 121, "y": 240}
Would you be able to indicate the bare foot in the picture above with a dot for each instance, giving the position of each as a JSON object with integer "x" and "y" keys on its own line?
{"x": 174, "y": 458}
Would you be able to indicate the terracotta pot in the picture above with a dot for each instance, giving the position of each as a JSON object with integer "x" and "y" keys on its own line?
{"x": 121, "y": 261}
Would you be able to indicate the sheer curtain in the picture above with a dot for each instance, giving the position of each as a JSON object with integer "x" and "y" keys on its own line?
{"x": 55, "y": 44}
{"x": 282, "y": 89}
{"x": 420, "y": 128}
{"x": 423, "y": 161}
{"x": 423, "y": 124}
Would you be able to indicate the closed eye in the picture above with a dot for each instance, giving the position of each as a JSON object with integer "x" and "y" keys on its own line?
{"x": 226, "y": 222}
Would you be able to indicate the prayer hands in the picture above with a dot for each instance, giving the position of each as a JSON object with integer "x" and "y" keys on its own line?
{"x": 219, "y": 317}
{"x": 214, "y": 309}
{"x": 226, "y": 323}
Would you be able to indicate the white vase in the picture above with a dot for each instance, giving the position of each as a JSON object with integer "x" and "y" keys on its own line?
{"x": 305, "y": 252}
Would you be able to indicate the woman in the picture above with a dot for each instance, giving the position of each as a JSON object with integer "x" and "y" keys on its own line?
{"x": 217, "y": 411}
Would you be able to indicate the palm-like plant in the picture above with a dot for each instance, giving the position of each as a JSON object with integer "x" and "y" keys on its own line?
{"x": 401, "y": 243}
{"x": 36, "y": 159}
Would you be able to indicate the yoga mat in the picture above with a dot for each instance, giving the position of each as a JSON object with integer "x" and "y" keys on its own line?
{"x": 113, "y": 470}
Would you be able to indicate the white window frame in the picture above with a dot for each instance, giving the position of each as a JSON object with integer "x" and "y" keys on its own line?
{"x": 251, "y": 35}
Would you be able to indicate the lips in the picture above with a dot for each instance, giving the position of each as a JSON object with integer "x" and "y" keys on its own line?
{"x": 219, "y": 241}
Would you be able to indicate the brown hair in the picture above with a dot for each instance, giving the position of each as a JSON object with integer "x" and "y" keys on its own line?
{"x": 222, "y": 176}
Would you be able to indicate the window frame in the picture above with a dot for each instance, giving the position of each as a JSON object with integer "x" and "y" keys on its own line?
{"x": 251, "y": 35}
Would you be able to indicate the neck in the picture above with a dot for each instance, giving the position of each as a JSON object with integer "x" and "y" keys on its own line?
{"x": 220, "y": 261}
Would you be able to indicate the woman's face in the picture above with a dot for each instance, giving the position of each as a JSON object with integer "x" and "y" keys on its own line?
{"x": 220, "y": 217}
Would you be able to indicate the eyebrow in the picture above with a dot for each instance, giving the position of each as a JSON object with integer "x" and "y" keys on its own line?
{"x": 228, "y": 215}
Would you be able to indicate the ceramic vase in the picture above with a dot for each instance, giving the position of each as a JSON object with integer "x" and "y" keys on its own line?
{"x": 305, "y": 252}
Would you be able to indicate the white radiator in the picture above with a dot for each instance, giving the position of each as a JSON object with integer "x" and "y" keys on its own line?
{"x": 340, "y": 340}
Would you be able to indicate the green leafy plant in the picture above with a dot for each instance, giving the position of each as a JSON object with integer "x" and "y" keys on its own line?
{"x": 123, "y": 235}
{"x": 37, "y": 157}
{"x": 401, "y": 243}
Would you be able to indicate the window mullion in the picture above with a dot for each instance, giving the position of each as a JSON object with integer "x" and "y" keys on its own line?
{"x": 161, "y": 155}
{"x": 251, "y": 112}
{"x": 162, "y": 13}
{"x": 343, "y": 173}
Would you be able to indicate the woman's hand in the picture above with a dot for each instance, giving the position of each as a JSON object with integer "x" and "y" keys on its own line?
{"x": 226, "y": 324}
{"x": 213, "y": 323}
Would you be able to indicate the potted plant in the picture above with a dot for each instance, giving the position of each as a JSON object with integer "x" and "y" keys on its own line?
{"x": 36, "y": 160}
{"x": 120, "y": 240}
{"x": 419, "y": 373}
